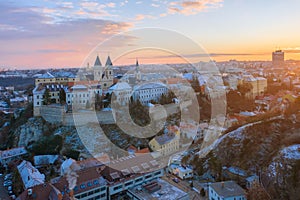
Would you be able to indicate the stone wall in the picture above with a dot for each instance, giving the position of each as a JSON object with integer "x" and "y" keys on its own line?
{"x": 56, "y": 114}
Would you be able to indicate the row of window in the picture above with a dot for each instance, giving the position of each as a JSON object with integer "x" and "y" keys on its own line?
{"x": 137, "y": 181}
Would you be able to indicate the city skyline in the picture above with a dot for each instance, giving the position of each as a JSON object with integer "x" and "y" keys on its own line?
{"x": 47, "y": 34}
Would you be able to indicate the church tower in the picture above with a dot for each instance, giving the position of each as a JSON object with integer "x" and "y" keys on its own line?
{"x": 107, "y": 77}
{"x": 97, "y": 69}
{"x": 138, "y": 75}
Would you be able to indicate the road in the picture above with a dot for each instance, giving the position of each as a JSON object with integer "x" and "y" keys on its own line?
{"x": 3, "y": 191}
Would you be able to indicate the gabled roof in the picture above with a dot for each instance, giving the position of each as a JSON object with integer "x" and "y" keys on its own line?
{"x": 108, "y": 62}
{"x": 97, "y": 62}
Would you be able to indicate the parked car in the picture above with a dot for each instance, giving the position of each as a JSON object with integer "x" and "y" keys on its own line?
{"x": 10, "y": 193}
{"x": 9, "y": 188}
{"x": 176, "y": 180}
{"x": 7, "y": 177}
{"x": 13, "y": 196}
{"x": 7, "y": 183}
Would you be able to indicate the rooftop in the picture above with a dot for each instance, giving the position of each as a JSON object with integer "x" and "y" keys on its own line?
{"x": 163, "y": 191}
{"x": 227, "y": 189}
{"x": 12, "y": 152}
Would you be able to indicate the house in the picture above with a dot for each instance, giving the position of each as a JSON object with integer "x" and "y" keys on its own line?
{"x": 228, "y": 190}
{"x": 165, "y": 144}
{"x": 182, "y": 172}
{"x": 30, "y": 175}
{"x": 11, "y": 154}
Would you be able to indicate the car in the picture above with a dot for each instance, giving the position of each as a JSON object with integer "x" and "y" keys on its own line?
{"x": 9, "y": 188}
{"x": 13, "y": 196}
{"x": 10, "y": 193}
{"x": 7, "y": 183}
{"x": 7, "y": 177}
{"x": 176, "y": 180}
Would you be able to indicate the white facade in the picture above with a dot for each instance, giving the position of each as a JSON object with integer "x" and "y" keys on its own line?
{"x": 82, "y": 95}
{"x": 228, "y": 190}
{"x": 148, "y": 92}
{"x": 121, "y": 93}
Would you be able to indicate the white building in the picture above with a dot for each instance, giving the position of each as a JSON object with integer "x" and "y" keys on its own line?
{"x": 82, "y": 95}
{"x": 228, "y": 190}
{"x": 30, "y": 175}
{"x": 148, "y": 92}
{"x": 121, "y": 93}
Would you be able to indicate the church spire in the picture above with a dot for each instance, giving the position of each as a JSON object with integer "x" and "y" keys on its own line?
{"x": 108, "y": 62}
{"x": 137, "y": 63}
{"x": 97, "y": 62}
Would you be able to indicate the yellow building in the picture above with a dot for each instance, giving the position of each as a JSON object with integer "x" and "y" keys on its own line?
{"x": 165, "y": 144}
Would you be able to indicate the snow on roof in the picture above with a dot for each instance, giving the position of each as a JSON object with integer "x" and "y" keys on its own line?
{"x": 79, "y": 87}
{"x": 291, "y": 152}
{"x": 46, "y": 75}
{"x": 44, "y": 159}
{"x": 120, "y": 86}
{"x": 30, "y": 175}
{"x": 150, "y": 85}
{"x": 12, "y": 152}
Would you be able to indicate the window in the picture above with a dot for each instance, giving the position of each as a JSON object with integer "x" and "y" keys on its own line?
{"x": 37, "y": 96}
{"x": 129, "y": 183}
{"x": 82, "y": 186}
{"x": 117, "y": 187}
{"x": 37, "y": 103}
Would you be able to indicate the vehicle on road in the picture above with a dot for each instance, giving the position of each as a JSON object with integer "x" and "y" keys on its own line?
{"x": 176, "y": 180}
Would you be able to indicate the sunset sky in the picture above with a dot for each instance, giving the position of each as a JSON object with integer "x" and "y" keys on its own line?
{"x": 44, "y": 33}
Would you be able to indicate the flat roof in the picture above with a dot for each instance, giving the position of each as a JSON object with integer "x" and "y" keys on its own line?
{"x": 227, "y": 189}
{"x": 167, "y": 191}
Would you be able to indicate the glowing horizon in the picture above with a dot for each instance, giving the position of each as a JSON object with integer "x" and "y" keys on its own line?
{"x": 47, "y": 34}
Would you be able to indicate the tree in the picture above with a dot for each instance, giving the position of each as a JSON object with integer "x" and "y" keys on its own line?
{"x": 47, "y": 97}
{"x": 257, "y": 192}
{"x": 62, "y": 96}
{"x": 244, "y": 88}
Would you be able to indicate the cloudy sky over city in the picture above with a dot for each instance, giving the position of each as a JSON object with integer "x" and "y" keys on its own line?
{"x": 62, "y": 33}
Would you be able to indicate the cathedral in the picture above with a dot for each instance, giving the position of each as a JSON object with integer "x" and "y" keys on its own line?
{"x": 103, "y": 74}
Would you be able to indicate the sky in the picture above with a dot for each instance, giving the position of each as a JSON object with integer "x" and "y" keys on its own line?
{"x": 45, "y": 33}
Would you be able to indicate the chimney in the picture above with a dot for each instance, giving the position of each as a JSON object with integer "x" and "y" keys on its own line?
{"x": 29, "y": 192}
{"x": 71, "y": 193}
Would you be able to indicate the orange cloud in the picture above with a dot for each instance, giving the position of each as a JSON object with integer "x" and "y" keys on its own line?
{"x": 193, "y": 7}
{"x": 114, "y": 28}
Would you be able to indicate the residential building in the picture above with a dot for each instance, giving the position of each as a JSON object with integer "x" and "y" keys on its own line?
{"x": 259, "y": 85}
{"x": 58, "y": 78}
{"x": 182, "y": 172}
{"x": 11, "y": 154}
{"x": 30, "y": 175}
{"x": 165, "y": 144}
{"x": 159, "y": 190}
{"x": 228, "y": 190}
